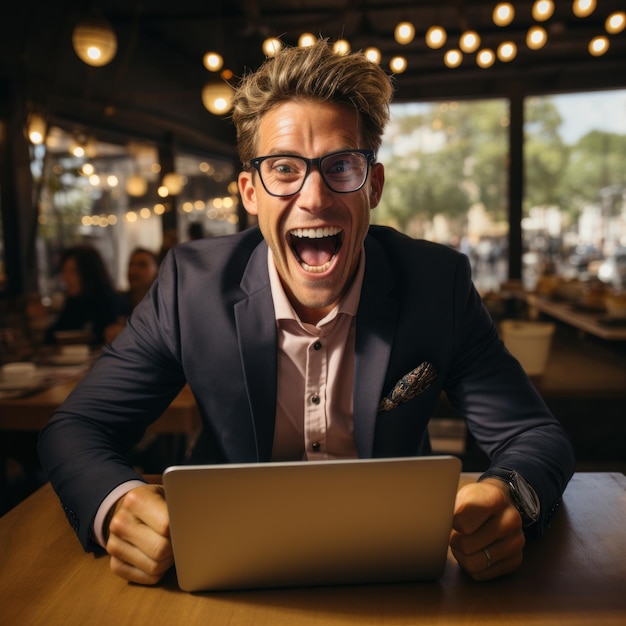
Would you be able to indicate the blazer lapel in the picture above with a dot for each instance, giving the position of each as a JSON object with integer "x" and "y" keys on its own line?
{"x": 376, "y": 324}
{"x": 256, "y": 331}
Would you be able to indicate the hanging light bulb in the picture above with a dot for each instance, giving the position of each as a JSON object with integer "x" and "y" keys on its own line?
{"x": 542, "y": 10}
{"x": 306, "y": 40}
{"x": 469, "y": 42}
{"x": 136, "y": 185}
{"x": 436, "y": 37}
{"x": 583, "y": 8}
{"x": 37, "y": 128}
{"x": 615, "y": 23}
{"x": 271, "y": 46}
{"x": 341, "y": 47}
{"x": 398, "y": 64}
{"x": 598, "y": 46}
{"x": 373, "y": 55}
{"x": 213, "y": 61}
{"x": 536, "y": 37}
{"x": 453, "y": 58}
{"x": 507, "y": 51}
{"x": 217, "y": 97}
{"x": 404, "y": 32}
{"x": 173, "y": 182}
{"x": 94, "y": 41}
{"x": 485, "y": 58}
{"x": 503, "y": 14}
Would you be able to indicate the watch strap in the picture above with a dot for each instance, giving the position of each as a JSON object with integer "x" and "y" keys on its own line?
{"x": 529, "y": 513}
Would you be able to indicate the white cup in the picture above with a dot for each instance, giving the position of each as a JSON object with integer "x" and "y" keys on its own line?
{"x": 18, "y": 373}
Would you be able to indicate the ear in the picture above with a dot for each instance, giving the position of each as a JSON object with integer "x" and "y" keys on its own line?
{"x": 247, "y": 192}
{"x": 377, "y": 182}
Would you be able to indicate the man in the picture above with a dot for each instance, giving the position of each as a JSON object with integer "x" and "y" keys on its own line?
{"x": 298, "y": 338}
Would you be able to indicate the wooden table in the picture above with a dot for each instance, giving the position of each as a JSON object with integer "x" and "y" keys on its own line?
{"x": 575, "y": 575}
{"x": 585, "y": 321}
{"x": 31, "y": 413}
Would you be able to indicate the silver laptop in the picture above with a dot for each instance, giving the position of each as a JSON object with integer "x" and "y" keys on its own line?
{"x": 310, "y": 523}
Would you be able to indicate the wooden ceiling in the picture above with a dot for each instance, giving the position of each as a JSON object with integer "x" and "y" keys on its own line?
{"x": 152, "y": 88}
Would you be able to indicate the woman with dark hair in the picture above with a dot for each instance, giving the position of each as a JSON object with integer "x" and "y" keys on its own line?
{"x": 91, "y": 301}
{"x": 143, "y": 267}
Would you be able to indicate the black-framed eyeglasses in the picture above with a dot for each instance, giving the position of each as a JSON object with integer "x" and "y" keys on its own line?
{"x": 342, "y": 172}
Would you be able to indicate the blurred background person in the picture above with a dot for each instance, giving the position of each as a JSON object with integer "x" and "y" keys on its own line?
{"x": 143, "y": 267}
{"x": 195, "y": 231}
{"x": 91, "y": 301}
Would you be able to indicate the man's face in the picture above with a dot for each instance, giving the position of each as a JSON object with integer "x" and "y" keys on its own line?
{"x": 315, "y": 235}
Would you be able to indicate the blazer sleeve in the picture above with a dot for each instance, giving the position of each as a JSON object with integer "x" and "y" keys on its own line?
{"x": 504, "y": 412}
{"x": 83, "y": 448}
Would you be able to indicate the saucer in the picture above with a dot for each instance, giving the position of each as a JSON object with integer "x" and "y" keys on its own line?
{"x": 20, "y": 385}
{"x": 68, "y": 359}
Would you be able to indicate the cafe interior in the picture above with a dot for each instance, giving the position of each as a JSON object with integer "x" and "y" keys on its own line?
{"x": 115, "y": 132}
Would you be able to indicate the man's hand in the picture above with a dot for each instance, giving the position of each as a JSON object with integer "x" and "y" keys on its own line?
{"x": 139, "y": 536}
{"x": 487, "y": 538}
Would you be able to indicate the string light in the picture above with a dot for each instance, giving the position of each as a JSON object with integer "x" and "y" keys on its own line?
{"x": 404, "y": 32}
{"x": 436, "y": 37}
{"x": 453, "y": 58}
{"x": 398, "y": 64}
{"x": 373, "y": 55}
{"x": 213, "y": 61}
{"x": 341, "y": 47}
{"x": 536, "y": 37}
{"x": 615, "y": 23}
{"x": 470, "y": 41}
{"x": 583, "y": 8}
{"x": 503, "y": 14}
{"x": 306, "y": 40}
{"x": 542, "y": 10}
{"x": 271, "y": 46}
{"x": 598, "y": 46}
{"x": 485, "y": 58}
{"x": 507, "y": 51}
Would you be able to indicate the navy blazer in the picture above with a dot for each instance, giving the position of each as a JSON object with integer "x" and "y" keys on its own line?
{"x": 209, "y": 321}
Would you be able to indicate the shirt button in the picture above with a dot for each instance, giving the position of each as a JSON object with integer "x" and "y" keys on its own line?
{"x": 317, "y": 345}
{"x": 316, "y": 446}
{"x": 315, "y": 399}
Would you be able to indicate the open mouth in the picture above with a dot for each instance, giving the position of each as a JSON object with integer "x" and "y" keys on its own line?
{"x": 315, "y": 248}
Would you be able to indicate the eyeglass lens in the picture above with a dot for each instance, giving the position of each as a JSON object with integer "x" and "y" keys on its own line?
{"x": 342, "y": 172}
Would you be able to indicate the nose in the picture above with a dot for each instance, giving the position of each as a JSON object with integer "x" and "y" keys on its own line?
{"x": 314, "y": 196}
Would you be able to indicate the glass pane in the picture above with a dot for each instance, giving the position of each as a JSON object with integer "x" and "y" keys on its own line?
{"x": 574, "y": 225}
{"x": 111, "y": 196}
{"x": 208, "y": 204}
{"x": 446, "y": 180}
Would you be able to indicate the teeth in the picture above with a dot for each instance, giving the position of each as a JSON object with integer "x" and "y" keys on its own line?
{"x": 316, "y": 233}
{"x": 314, "y": 268}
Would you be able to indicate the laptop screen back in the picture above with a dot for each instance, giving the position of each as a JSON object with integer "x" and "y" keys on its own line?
{"x": 311, "y": 523}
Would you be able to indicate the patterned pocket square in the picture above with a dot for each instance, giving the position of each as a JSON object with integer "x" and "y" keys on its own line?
{"x": 409, "y": 386}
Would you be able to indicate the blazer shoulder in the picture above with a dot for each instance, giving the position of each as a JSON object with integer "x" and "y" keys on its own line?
{"x": 401, "y": 248}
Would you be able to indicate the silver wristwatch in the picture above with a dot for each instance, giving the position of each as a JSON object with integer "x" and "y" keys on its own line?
{"x": 523, "y": 496}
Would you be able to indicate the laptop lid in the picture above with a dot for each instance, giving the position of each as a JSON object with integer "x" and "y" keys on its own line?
{"x": 259, "y": 525}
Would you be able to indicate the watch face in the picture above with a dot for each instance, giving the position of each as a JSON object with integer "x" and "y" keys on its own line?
{"x": 528, "y": 499}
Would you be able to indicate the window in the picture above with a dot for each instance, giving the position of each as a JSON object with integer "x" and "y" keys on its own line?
{"x": 574, "y": 225}
{"x": 446, "y": 180}
{"x": 116, "y": 197}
